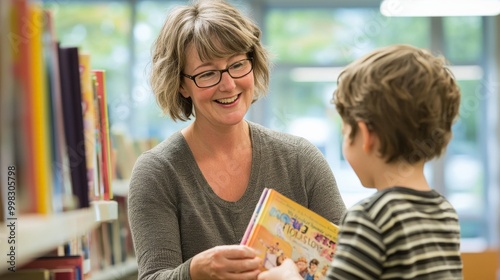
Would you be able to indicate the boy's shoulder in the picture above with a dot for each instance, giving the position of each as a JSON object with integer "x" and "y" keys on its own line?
{"x": 396, "y": 198}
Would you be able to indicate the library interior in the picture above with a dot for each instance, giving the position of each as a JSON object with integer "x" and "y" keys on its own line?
{"x": 66, "y": 159}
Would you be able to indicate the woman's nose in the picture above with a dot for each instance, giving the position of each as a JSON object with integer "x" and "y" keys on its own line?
{"x": 227, "y": 82}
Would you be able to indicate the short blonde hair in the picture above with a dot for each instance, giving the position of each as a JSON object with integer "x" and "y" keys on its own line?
{"x": 406, "y": 95}
{"x": 216, "y": 30}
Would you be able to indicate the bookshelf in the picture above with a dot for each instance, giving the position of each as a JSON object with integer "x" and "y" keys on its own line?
{"x": 38, "y": 234}
{"x": 56, "y": 152}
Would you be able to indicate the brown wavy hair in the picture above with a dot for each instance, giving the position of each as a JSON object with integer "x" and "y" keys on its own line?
{"x": 404, "y": 94}
{"x": 216, "y": 30}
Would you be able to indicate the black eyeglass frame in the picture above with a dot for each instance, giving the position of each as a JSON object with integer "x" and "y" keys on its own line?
{"x": 193, "y": 77}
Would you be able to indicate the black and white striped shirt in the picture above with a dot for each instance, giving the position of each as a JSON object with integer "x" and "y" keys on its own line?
{"x": 399, "y": 233}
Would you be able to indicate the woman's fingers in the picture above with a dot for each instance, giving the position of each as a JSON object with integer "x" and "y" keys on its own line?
{"x": 236, "y": 251}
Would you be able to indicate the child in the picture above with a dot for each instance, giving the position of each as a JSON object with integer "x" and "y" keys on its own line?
{"x": 397, "y": 105}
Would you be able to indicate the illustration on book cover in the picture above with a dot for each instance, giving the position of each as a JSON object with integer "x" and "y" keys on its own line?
{"x": 281, "y": 228}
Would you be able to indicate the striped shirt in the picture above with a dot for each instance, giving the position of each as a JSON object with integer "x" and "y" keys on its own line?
{"x": 399, "y": 233}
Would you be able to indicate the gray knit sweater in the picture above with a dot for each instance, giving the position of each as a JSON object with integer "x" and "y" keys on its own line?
{"x": 174, "y": 214}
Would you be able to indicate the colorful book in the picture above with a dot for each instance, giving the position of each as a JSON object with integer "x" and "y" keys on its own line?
{"x": 281, "y": 228}
{"x": 89, "y": 119}
{"x": 103, "y": 134}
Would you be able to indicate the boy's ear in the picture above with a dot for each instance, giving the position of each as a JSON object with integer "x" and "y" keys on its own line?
{"x": 368, "y": 137}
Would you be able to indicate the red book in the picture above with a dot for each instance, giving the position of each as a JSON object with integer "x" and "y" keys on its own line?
{"x": 63, "y": 274}
{"x": 74, "y": 263}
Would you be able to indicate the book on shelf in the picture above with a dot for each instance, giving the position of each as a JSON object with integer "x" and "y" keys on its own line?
{"x": 31, "y": 115}
{"x": 281, "y": 228}
{"x": 69, "y": 71}
{"x": 89, "y": 123}
{"x": 58, "y": 264}
{"x": 102, "y": 125}
{"x": 62, "y": 195}
{"x": 29, "y": 274}
{"x": 51, "y": 103}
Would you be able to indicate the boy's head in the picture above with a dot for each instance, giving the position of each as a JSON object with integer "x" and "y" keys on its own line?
{"x": 406, "y": 96}
{"x": 313, "y": 264}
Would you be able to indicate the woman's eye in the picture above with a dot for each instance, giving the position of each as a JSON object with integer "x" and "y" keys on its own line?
{"x": 237, "y": 65}
{"x": 207, "y": 75}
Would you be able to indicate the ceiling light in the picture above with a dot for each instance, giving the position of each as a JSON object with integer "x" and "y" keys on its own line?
{"x": 439, "y": 8}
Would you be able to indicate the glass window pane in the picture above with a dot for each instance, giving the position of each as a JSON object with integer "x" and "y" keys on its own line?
{"x": 463, "y": 39}
{"x": 464, "y": 167}
{"x": 337, "y": 36}
{"x": 101, "y": 29}
{"x": 148, "y": 120}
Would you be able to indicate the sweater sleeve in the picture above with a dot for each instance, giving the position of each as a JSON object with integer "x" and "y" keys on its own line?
{"x": 359, "y": 254}
{"x": 153, "y": 222}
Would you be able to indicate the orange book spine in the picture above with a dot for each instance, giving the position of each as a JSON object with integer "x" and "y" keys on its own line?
{"x": 104, "y": 133}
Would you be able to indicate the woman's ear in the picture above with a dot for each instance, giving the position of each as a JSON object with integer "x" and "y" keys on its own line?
{"x": 368, "y": 137}
{"x": 183, "y": 91}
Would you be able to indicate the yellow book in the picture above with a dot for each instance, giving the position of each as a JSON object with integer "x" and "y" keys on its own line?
{"x": 27, "y": 274}
{"x": 40, "y": 118}
{"x": 281, "y": 228}
{"x": 89, "y": 127}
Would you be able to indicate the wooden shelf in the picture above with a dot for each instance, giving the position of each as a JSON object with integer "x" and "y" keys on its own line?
{"x": 120, "y": 187}
{"x": 36, "y": 235}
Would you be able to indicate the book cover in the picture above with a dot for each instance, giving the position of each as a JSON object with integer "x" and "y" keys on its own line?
{"x": 281, "y": 228}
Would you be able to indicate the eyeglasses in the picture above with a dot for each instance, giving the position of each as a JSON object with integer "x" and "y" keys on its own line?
{"x": 210, "y": 78}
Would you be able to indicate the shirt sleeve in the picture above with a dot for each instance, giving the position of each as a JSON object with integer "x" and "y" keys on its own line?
{"x": 360, "y": 251}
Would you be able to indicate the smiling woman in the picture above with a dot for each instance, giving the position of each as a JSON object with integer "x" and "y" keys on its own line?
{"x": 196, "y": 190}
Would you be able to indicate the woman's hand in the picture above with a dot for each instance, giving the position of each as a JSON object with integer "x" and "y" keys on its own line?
{"x": 229, "y": 262}
{"x": 286, "y": 271}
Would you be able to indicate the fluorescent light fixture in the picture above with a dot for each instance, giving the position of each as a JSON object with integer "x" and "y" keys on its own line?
{"x": 331, "y": 74}
{"x": 467, "y": 72}
{"x": 315, "y": 74}
{"x": 439, "y": 8}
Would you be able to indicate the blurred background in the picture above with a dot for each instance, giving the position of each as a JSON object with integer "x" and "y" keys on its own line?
{"x": 311, "y": 41}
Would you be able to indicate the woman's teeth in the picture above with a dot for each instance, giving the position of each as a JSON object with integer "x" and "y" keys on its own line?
{"x": 227, "y": 100}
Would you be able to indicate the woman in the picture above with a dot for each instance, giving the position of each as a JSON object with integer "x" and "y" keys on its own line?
{"x": 192, "y": 196}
